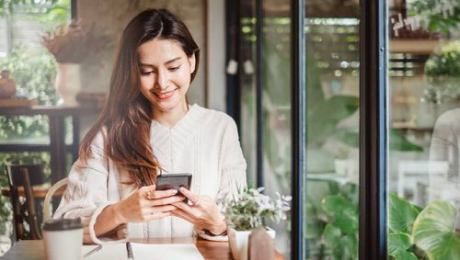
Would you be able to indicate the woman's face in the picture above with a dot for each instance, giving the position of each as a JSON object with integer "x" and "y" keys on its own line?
{"x": 165, "y": 72}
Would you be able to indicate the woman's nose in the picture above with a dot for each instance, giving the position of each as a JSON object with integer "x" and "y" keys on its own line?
{"x": 161, "y": 80}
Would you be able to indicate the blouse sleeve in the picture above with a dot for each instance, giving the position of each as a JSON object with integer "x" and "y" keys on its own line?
{"x": 233, "y": 174}
{"x": 444, "y": 142}
{"x": 86, "y": 193}
{"x": 233, "y": 163}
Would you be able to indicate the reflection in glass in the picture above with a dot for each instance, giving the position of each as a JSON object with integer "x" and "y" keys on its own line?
{"x": 424, "y": 96}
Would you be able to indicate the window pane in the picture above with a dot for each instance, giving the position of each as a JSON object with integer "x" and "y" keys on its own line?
{"x": 275, "y": 96}
{"x": 424, "y": 96}
{"x": 332, "y": 82}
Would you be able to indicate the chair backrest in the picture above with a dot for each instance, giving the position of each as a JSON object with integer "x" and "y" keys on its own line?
{"x": 415, "y": 176}
{"x": 47, "y": 204}
{"x": 24, "y": 210}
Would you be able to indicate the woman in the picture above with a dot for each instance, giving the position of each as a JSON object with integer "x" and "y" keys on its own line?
{"x": 147, "y": 127}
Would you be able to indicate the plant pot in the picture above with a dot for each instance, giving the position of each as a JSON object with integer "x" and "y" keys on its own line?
{"x": 238, "y": 241}
{"x": 68, "y": 83}
{"x": 341, "y": 166}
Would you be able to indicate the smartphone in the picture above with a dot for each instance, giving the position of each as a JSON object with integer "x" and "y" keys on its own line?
{"x": 167, "y": 181}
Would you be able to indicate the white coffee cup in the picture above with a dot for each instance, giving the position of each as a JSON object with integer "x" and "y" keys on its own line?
{"x": 63, "y": 239}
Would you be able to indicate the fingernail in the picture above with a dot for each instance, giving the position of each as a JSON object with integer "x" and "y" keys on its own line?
{"x": 172, "y": 192}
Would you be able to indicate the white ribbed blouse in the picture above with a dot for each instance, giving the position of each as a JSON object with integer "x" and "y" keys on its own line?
{"x": 204, "y": 143}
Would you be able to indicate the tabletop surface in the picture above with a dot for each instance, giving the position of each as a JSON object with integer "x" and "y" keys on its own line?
{"x": 34, "y": 249}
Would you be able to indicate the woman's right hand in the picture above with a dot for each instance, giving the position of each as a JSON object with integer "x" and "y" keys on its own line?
{"x": 146, "y": 204}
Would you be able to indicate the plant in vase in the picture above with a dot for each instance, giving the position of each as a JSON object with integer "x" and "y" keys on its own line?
{"x": 443, "y": 73}
{"x": 70, "y": 46}
{"x": 342, "y": 163}
{"x": 246, "y": 211}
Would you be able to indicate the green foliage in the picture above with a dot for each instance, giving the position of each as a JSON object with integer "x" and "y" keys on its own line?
{"x": 443, "y": 71}
{"x": 414, "y": 234}
{"x": 34, "y": 75}
{"x": 323, "y": 115}
{"x": 434, "y": 231}
{"x": 43, "y": 6}
{"x": 332, "y": 221}
{"x": 341, "y": 231}
{"x": 445, "y": 61}
{"x": 422, "y": 234}
{"x": 399, "y": 245}
{"x": 436, "y": 18}
{"x": 402, "y": 214}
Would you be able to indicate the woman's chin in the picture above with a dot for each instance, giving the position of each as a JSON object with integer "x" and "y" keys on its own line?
{"x": 167, "y": 105}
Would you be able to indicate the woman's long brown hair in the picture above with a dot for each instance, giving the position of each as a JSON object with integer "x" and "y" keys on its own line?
{"x": 127, "y": 114}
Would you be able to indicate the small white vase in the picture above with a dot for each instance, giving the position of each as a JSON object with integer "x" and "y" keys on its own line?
{"x": 68, "y": 83}
{"x": 238, "y": 241}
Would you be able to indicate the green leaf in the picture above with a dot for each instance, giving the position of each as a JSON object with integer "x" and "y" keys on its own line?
{"x": 398, "y": 142}
{"x": 404, "y": 255}
{"x": 344, "y": 213}
{"x": 314, "y": 229}
{"x": 323, "y": 117}
{"x": 402, "y": 214}
{"x": 332, "y": 240}
{"x": 398, "y": 242}
{"x": 342, "y": 246}
{"x": 351, "y": 191}
{"x": 350, "y": 138}
{"x": 434, "y": 231}
{"x": 332, "y": 235}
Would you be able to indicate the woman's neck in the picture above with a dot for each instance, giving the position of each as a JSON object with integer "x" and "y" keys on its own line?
{"x": 170, "y": 118}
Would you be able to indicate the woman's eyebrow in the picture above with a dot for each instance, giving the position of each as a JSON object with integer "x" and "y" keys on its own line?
{"x": 151, "y": 65}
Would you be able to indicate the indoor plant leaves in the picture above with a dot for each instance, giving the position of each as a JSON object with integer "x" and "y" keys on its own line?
{"x": 402, "y": 214}
{"x": 434, "y": 231}
{"x": 398, "y": 243}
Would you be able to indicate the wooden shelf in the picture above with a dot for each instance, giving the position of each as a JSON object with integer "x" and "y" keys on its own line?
{"x": 421, "y": 46}
{"x": 13, "y": 102}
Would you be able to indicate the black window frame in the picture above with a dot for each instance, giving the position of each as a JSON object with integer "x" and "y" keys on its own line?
{"x": 373, "y": 126}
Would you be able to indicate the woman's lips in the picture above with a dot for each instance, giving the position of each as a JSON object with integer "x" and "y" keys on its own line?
{"x": 166, "y": 95}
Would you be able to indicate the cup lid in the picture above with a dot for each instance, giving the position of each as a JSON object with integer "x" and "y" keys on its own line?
{"x": 62, "y": 224}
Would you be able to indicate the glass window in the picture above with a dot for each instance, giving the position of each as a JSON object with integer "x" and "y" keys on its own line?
{"x": 332, "y": 90}
{"x": 270, "y": 89}
{"x": 424, "y": 96}
{"x": 332, "y": 118}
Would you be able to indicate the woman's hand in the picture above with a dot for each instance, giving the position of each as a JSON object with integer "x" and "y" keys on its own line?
{"x": 146, "y": 204}
{"x": 203, "y": 212}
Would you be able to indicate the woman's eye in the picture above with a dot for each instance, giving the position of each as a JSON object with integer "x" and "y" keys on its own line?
{"x": 174, "y": 68}
{"x": 145, "y": 73}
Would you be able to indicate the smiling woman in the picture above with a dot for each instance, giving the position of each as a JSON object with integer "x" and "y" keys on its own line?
{"x": 147, "y": 127}
{"x": 165, "y": 75}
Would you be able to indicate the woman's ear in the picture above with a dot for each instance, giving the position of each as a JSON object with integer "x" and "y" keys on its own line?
{"x": 192, "y": 62}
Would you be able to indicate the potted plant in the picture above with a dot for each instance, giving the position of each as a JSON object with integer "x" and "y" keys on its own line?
{"x": 443, "y": 72}
{"x": 70, "y": 46}
{"x": 342, "y": 163}
{"x": 246, "y": 211}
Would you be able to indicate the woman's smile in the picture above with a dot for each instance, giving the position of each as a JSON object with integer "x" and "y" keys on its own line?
{"x": 166, "y": 95}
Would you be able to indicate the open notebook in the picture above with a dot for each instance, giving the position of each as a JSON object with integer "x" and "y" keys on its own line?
{"x": 145, "y": 252}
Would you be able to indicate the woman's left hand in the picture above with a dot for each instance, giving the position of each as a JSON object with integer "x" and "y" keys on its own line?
{"x": 203, "y": 212}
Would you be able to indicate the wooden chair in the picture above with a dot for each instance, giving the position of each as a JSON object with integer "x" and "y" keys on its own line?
{"x": 21, "y": 178}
